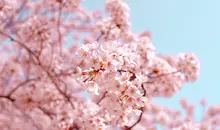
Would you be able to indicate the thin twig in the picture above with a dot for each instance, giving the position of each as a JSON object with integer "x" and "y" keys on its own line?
{"x": 104, "y": 95}
{"x": 164, "y": 74}
{"x": 53, "y": 79}
{"x": 48, "y": 113}
{"x": 20, "y": 85}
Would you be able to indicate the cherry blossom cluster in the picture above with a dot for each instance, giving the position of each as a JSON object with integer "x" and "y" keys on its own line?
{"x": 117, "y": 25}
{"x": 63, "y": 67}
{"x": 109, "y": 69}
{"x": 7, "y": 7}
{"x": 166, "y": 118}
{"x": 117, "y": 71}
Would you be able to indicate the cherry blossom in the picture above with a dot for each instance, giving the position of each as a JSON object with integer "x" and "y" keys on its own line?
{"x": 64, "y": 67}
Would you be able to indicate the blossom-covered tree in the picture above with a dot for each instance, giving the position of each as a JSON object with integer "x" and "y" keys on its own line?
{"x": 53, "y": 51}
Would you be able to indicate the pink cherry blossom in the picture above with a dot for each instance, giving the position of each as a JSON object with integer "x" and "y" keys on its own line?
{"x": 106, "y": 80}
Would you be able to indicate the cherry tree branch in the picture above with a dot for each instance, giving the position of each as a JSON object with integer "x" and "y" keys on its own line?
{"x": 142, "y": 111}
{"x": 102, "y": 33}
{"x": 46, "y": 112}
{"x": 104, "y": 95}
{"x": 7, "y": 98}
{"x": 20, "y": 85}
{"x": 139, "y": 119}
{"x": 164, "y": 74}
{"x": 52, "y": 78}
{"x": 100, "y": 36}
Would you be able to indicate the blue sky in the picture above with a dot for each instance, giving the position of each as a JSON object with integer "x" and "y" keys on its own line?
{"x": 182, "y": 26}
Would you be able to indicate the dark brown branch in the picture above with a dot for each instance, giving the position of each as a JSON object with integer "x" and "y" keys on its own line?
{"x": 74, "y": 127}
{"x": 7, "y": 98}
{"x": 145, "y": 92}
{"x": 104, "y": 95}
{"x": 48, "y": 113}
{"x": 100, "y": 36}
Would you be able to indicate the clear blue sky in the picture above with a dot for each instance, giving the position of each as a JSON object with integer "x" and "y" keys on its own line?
{"x": 182, "y": 26}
